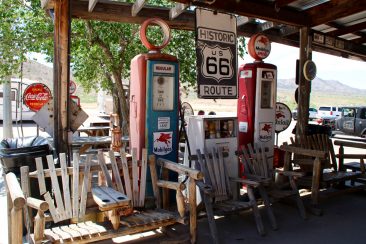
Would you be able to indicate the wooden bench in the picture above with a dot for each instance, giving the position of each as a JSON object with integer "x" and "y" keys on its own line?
{"x": 316, "y": 158}
{"x": 77, "y": 211}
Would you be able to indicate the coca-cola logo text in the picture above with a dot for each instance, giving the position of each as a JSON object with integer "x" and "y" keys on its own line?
{"x": 36, "y": 95}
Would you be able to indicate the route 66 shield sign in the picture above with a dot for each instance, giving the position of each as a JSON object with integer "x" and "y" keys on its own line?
{"x": 216, "y": 54}
{"x": 217, "y": 63}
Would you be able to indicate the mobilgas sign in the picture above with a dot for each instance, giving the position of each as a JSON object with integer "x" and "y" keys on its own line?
{"x": 283, "y": 117}
{"x": 216, "y": 54}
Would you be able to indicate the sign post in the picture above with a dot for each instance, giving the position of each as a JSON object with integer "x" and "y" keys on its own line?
{"x": 216, "y": 54}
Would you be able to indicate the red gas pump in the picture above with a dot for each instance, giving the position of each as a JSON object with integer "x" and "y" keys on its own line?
{"x": 257, "y": 96}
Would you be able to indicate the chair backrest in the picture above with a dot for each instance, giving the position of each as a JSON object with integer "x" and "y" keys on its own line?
{"x": 215, "y": 172}
{"x": 255, "y": 161}
{"x": 320, "y": 142}
{"x": 64, "y": 204}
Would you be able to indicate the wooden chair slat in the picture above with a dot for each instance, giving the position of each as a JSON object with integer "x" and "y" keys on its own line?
{"x": 115, "y": 172}
{"x": 75, "y": 186}
{"x": 217, "y": 172}
{"x": 101, "y": 229}
{"x": 91, "y": 229}
{"x": 74, "y": 234}
{"x": 65, "y": 236}
{"x": 126, "y": 175}
{"x": 210, "y": 168}
{"x": 135, "y": 175}
{"x": 224, "y": 173}
{"x": 51, "y": 207}
{"x": 143, "y": 178}
{"x": 56, "y": 188}
{"x": 51, "y": 236}
{"x": 104, "y": 168}
{"x": 41, "y": 178}
{"x": 84, "y": 189}
{"x": 65, "y": 186}
{"x": 82, "y": 231}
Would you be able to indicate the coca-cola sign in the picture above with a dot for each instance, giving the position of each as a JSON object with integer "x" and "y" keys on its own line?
{"x": 36, "y": 95}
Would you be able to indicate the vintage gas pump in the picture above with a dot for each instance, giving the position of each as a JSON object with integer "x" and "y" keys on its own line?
{"x": 257, "y": 96}
{"x": 154, "y": 98}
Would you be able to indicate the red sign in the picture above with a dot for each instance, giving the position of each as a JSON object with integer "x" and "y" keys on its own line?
{"x": 259, "y": 47}
{"x": 72, "y": 87}
{"x": 36, "y": 95}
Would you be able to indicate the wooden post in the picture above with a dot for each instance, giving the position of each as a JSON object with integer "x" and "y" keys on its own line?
{"x": 304, "y": 85}
{"x": 39, "y": 226}
{"x": 61, "y": 69}
{"x": 192, "y": 210}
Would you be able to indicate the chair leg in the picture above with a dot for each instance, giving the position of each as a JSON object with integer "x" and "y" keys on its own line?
{"x": 298, "y": 200}
{"x": 267, "y": 204}
{"x": 257, "y": 216}
{"x": 210, "y": 218}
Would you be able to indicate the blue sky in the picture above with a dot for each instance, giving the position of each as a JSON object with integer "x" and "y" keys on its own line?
{"x": 346, "y": 71}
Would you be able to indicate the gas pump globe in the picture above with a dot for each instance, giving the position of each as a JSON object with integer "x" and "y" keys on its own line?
{"x": 257, "y": 96}
{"x": 154, "y": 98}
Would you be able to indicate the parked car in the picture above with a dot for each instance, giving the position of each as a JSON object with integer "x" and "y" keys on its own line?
{"x": 352, "y": 121}
{"x": 329, "y": 111}
{"x": 312, "y": 113}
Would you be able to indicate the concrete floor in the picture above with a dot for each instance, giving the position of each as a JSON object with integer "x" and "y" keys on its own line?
{"x": 343, "y": 221}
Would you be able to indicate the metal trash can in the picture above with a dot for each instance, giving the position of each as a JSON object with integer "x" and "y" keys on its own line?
{"x": 18, "y": 152}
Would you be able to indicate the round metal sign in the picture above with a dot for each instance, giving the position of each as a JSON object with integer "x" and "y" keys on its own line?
{"x": 309, "y": 70}
{"x": 72, "y": 87}
{"x": 283, "y": 117}
{"x": 259, "y": 47}
{"x": 36, "y": 95}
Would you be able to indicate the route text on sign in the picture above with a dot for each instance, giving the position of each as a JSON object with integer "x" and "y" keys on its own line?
{"x": 212, "y": 90}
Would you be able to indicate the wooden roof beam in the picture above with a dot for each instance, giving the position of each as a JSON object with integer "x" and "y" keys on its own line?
{"x": 242, "y": 20}
{"x": 121, "y": 12}
{"x": 333, "y": 10}
{"x": 91, "y": 5}
{"x": 362, "y": 35}
{"x": 283, "y": 3}
{"x": 348, "y": 29}
{"x": 266, "y": 26}
{"x": 256, "y": 9}
{"x": 177, "y": 10}
{"x": 137, "y": 6}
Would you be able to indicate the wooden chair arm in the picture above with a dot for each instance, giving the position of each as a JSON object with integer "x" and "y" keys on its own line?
{"x": 180, "y": 168}
{"x": 352, "y": 156}
{"x": 37, "y": 204}
{"x": 245, "y": 181}
{"x": 257, "y": 178}
{"x": 290, "y": 173}
{"x": 15, "y": 191}
{"x": 171, "y": 185}
{"x": 350, "y": 144}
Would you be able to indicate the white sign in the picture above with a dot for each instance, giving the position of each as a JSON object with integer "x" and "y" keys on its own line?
{"x": 162, "y": 143}
{"x": 265, "y": 131}
{"x": 243, "y": 127}
{"x": 216, "y": 54}
{"x": 163, "y": 123}
{"x": 283, "y": 117}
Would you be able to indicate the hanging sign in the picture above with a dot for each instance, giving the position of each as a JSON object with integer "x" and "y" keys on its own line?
{"x": 72, "y": 87}
{"x": 259, "y": 47}
{"x": 216, "y": 54}
{"x": 283, "y": 117}
{"x": 36, "y": 95}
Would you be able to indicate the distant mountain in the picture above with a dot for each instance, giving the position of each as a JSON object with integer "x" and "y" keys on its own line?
{"x": 320, "y": 85}
{"x": 37, "y": 72}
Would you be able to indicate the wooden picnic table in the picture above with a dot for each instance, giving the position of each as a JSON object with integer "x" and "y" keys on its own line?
{"x": 95, "y": 130}
{"x": 88, "y": 141}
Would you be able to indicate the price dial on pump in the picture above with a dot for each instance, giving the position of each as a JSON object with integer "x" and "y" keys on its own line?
{"x": 163, "y": 91}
